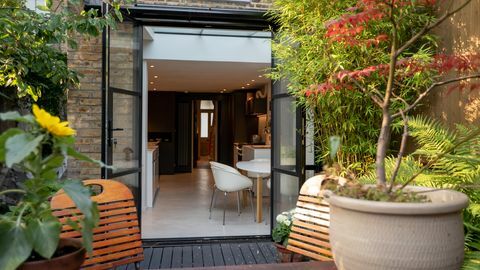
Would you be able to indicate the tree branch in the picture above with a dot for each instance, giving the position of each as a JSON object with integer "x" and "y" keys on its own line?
{"x": 429, "y": 27}
{"x": 429, "y": 89}
{"x": 373, "y": 96}
{"x": 403, "y": 145}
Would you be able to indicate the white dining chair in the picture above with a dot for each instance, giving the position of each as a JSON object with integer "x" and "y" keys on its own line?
{"x": 228, "y": 179}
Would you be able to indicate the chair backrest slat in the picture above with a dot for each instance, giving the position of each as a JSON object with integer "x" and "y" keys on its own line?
{"x": 116, "y": 240}
{"x": 309, "y": 235}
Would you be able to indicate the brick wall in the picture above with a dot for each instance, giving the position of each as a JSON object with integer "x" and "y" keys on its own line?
{"x": 84, "y": 106}
{"x": 235, "y": 4}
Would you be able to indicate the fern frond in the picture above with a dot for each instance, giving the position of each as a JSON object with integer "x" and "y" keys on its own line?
{"x": 472, "y": 260}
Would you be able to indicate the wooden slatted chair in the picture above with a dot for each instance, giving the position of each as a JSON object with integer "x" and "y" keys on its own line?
{"x": 310, "y": 229}
{"x": 116, "y": 240}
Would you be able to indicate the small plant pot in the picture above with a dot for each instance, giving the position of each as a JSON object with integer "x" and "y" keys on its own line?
{"x": 286, "y": 256}
{"x": 69, "y": 261}
{"x": 367, "y": 235}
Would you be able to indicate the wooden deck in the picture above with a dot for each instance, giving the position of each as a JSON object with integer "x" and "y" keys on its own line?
{"x": 207, "y": 255}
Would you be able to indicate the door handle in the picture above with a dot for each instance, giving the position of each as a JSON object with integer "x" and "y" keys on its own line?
{"x": 118, "y": 129}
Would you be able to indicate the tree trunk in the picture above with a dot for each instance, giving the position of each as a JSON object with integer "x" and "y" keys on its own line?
{"x": 382, "y": 146}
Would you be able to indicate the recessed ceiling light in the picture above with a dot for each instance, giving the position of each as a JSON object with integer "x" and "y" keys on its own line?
{"x": 248, "y": 84}
{"x": 260, "y": 76}
{"x": 155, "y": 76}
{"x": 253, "y": 80}
{"x": 152, "y": 66}
{"x": 154, "y": 89}
{"x": 186, "y": 92}
{"x": 224, "y": 89}
{"x": 151, "y": 82}
{"x": 243, "y": 87}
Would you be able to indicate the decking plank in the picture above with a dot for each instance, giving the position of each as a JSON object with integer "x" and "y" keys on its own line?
{"x": 227, "y": 254}
{"x": 156, "y": 260}
{"x": 167, "y": 257}
{"x": 217, "y": 255}
{"x": 207, "y": 256}
{"x": 177, "y": 257}
{"x": 147, "y": 253}
{"x": 187, "y": 257}
{"x": 247, "y": 254}
{"x": 197, "y": 256}
{"x": 257, "y": 254}
{"x": 267, "y": 252}
{"x": 237, "y": 254}
{"x": 273, "y": 249}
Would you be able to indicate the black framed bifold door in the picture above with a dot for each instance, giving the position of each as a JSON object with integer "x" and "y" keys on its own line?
{"x": 122, "y": 111}
{"x": 288, "y": 149}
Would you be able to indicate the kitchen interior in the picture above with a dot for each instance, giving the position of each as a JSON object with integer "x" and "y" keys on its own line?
{"x": 202, "y": 110}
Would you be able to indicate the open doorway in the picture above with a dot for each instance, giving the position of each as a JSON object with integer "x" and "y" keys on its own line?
{"x": 205, "y": 126}
{"x": 207, "y": 97}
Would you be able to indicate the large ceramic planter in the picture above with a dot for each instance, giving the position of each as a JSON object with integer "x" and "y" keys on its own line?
{"x": 367, "y": 235}
{"x": 70, "y": 261}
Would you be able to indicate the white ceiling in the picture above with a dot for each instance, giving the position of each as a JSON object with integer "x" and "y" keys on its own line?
{"x": 205, "y": 77}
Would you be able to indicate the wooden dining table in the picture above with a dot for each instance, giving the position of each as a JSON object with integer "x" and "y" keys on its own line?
{"x": 259, "y": 168}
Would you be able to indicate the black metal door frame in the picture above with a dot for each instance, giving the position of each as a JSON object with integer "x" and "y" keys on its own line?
{"x": 157, "y": 15}
{"x": 107, "y": 105}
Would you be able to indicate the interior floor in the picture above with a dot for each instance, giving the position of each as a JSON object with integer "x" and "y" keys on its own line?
{"x": 181, "y": 210}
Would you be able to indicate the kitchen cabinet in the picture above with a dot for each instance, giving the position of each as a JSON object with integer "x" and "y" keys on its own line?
{"x": 250, "y": 152}
{"x": 152, "y": 179}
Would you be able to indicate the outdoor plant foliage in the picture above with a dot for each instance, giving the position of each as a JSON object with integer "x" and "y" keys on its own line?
{"x": 29, "y": 230}
{"x": 459, "y": 170}
{"x": 384, "y": 80}
{"x": 308, "y": 55}
{"x": 283, "y": 227}
{"x": 33, "y": 62}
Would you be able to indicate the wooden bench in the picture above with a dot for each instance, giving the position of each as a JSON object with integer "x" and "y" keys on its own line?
{"x": 116, "y": 240}
{"x": 309, "y": 235}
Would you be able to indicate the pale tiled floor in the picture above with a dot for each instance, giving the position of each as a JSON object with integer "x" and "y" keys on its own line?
{"x": 181, "y": 210}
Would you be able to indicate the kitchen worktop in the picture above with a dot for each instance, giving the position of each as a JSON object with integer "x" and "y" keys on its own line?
{"x": 258, "y": 146}
{"x": 151, "y": 146}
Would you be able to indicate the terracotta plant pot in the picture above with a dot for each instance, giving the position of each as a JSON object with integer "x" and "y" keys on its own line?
{"x": 286, "y": 255}
{"x": 70, "y": 261}
{"x": 398, "y": 236}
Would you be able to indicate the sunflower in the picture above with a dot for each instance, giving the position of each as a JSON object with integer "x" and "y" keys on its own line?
{"x": 52, "y": 123}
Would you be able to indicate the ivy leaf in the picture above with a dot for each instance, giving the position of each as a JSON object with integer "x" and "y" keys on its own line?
{"x": 45, "y": 235}
{"x": 20, "y": 146}
{"x": 3, "y": 138}
{"x": 15, "y": 246}
{"x": 80, "y": 195}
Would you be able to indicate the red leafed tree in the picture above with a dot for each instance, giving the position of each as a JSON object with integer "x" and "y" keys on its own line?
{"x": 349, "y": 28}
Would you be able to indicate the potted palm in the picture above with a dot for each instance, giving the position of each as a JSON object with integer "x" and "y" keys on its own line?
{"x": 395, "y": 225}
{"x": 29, "y": 232}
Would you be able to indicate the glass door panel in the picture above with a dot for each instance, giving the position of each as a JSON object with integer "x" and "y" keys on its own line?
{"x": 122, "y": 105}
{"x": 125, "y": 135}
{"x": 286, "y": 130}
{"x": 288, "y": 149}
